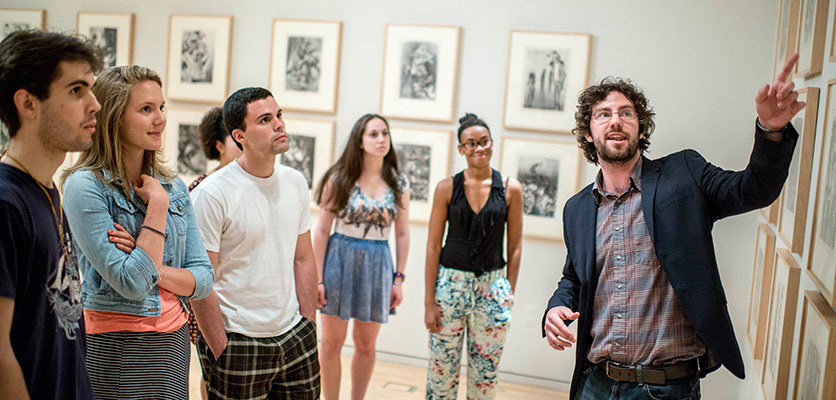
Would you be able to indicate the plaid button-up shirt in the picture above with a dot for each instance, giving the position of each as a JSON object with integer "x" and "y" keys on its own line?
{"x": 637, "y": 319}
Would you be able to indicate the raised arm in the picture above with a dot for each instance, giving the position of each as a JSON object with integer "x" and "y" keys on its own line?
{"x": 438, "y": 221}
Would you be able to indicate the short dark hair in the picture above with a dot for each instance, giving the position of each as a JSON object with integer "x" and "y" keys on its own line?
{"x": 212, "y": 130}
{"x": 30, "y": 60}
{"x": 468, "y": 121}
{"x": 594, "y": 94}
{"x": 235, "y": 108}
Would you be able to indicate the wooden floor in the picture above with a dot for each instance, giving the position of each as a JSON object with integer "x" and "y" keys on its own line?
{"x": 397, "y": 381}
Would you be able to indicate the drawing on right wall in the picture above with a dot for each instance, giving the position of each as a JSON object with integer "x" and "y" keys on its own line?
{"x": 811, "y": 34}
{"x": 779, "y": 332}
{"x": 822, "y": 258}
{"x": 816, "y": 356}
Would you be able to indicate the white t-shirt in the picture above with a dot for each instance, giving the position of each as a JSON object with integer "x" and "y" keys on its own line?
{"x": 253, "y": 223}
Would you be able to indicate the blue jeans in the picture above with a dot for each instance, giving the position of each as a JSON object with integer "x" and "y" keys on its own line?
{"x": 596, "y": 385}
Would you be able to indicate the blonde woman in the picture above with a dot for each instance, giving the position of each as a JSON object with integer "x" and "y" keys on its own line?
{"x": 136, "y": 303}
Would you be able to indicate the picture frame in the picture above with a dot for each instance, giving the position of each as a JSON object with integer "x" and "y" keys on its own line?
{"x": 16, "y": 19}
{"x": 779, "y": 333}
{"x": 822, "y": 258}
{"x": 311, "y": 149}
{"x": 305, "y": 64}
{"x": 812, "y": 25}
{"x": 832, "y": 43}
{"x": 559, "y": 61}
{"x": 182, "y": 148}
{"x": 792, "y": 219}
{"x": 420, "y": 72}
{"x": 816, "y": 361}
{"x": 113, "y": 33}
{"x": 770, "y": 212}
{"x": 785, "y": 40}
{"x": 199, "y": 54}
{"x": 5, "y": 138}
{"x": 761, "y": 284}
{"x": 424, "y": 156}
{"x": 549, "y": 171}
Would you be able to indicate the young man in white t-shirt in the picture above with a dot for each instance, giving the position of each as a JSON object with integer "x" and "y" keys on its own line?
{"x": 258, "y": 335}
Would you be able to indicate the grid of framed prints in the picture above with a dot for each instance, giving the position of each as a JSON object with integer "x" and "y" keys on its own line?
{"x": 311, "y": 149}
{"x": 787, "y": 33}
{"x": 779, "y": 334}
{"x": 113, "y": 33}
{"x": 420, "y": 72}
{"x": 792, "y": 220}
{"x": 761, "y": 284}
{"x": 182, "y": 147}
{"x": 545, "y": 71}
{"x": 199, "y": 49}
{"x": 770, "y": 213}
{"x": 548, "y": 171}
{"x": 305, "y": 64}
{"x": 12, "y": 19}
{"x": 424, "y": 156}
{"x": 822, "y": 258}
{"x": 816, "y": 350}
{"x": 811, "y": 35}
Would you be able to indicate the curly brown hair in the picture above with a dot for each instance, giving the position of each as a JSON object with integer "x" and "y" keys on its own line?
{"x": 594, "y": 94}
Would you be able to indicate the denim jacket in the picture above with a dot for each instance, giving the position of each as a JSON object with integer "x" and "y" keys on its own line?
{"x": 127, "y": 283}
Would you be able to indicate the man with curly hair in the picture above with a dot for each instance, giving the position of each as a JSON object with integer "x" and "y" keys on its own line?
{"x": 641, "y": 276}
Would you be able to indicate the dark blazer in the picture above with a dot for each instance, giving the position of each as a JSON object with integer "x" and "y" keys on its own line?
{"x": 682, "y": 196}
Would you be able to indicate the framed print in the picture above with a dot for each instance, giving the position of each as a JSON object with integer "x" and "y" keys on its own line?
{"x": 822, "y": 258}
{"x": 811, "y": 34}
{"x": 832, "y": 44}
{"x": 5, "y": 138}
{"x": 311, "y": 149}
{"x": 548, "y": 171}
{"x": 12, "y": 19}
{"x": 816, "y": 350}
{"x": 761, "y": 283}
{"x": 792, "y": 220}
{"x": 182, "y": 148}
{"x": 770, "y": 213}
{"x": 787, "y": 34}
{"x": 420, "y": 72}
{"x": 424, "y": 156}
{"x": 113, "y": 33}
{"x": 199, "y": 49}
{"x": 779, "y": 333}
{"x": 305, "y": 64}
{"x": 546, "y": 70}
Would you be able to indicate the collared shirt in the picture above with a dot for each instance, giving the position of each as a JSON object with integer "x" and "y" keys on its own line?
{"x": 637, "y": 318}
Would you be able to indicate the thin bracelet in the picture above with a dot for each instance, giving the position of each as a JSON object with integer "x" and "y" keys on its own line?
{"x": 163, "y": 234}
{"x": 320, "y": 283}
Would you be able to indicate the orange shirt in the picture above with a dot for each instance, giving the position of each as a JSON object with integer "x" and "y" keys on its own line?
{"x": 171, "y": 318}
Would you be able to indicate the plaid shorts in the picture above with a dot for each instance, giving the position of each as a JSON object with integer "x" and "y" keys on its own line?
{"x": 280, "y": 367}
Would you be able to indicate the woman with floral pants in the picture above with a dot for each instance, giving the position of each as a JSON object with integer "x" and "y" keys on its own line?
{"x": 469, "y": 292}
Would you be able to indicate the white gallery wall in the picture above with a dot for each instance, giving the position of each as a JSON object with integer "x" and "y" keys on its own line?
{"x": 700, "y": 64}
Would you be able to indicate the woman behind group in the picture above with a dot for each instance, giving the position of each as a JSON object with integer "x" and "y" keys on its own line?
{"x": 466, "y": 289}
{"x": 135, "y": 303}
{"x": 365, "y": 192}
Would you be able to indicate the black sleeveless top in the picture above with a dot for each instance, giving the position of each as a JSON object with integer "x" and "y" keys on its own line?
{"x": 474, "y": 241}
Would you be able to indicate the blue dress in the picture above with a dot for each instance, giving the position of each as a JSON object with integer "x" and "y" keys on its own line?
{"x": 358, "y": 269}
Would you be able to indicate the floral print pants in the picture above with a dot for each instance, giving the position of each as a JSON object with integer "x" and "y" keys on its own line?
{"x": 481, "y": 306}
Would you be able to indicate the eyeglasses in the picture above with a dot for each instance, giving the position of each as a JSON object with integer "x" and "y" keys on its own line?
{"x": 627, "y": 114}
{"x": 486, "y": 143}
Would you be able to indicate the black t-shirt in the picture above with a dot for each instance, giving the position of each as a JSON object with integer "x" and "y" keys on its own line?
{"x": 47, "y": 333}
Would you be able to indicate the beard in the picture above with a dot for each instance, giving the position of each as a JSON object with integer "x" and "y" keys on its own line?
{"x": 611, "y": 156}
{"x": 56, "y": 133}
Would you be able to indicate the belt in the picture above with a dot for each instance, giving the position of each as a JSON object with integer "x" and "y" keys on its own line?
{"x": 656, "y": 375}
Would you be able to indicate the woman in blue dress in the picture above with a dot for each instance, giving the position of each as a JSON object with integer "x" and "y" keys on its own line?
{"x": 362, "y": 195}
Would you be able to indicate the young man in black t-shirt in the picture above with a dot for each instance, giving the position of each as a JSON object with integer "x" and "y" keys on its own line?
{"x": 47, "y": 105}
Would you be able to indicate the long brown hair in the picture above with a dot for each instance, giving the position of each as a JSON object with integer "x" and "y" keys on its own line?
{"x": 113, "y": 90}
{"x": 349, "y": 167}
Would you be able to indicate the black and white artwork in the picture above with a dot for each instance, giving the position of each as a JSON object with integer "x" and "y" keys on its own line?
{"x": 811, "y": 372}
{"x": 545, "y": 77}
{"x": 303, "y": 63}
{"x": 808, "y": 22}
{"x": 828, "y": 217}
{"x": 12, "y": 26}
{"x": 190, "y": 158}
{"x": 105, "y": 39}
{"x": 777, "y": 324}
{"x": 300, "y": 156}
{"x": 197, "y": 54}
{"x": 419, "y": 65}
{"x": 539, "y": 178}
{"x": 4, "y": 136}
{"x": 792, "y": 179}
{"x": 414, "y": 161}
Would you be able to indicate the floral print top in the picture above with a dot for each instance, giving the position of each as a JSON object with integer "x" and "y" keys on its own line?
{"x": 367, "y": 218}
